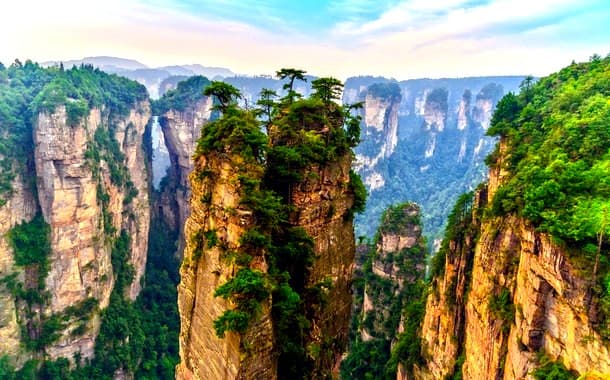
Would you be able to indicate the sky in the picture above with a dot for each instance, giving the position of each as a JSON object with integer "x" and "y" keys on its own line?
{"x": 401, "y": 39}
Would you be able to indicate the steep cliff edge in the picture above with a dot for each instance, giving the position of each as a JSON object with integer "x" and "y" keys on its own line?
{"x": 392, "y": 282}
{"x": 86, "y": 194}
{"x": 521, "y": 289}
{"x": 182, "y": 113}
{"x": 80, "y": 187}
{"x": 215, "y": 253}
{"x": 265, "y": 289}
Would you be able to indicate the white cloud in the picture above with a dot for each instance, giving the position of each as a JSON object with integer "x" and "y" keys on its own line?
{"x": 412, "y": 39}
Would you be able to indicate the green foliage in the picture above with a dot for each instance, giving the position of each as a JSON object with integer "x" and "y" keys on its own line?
{"x": 558, "y": 160}
{"x": 291, "y": 75}
{"x": 7, "y": 371}
{"x": 327, "y": 89}
{"x": 552, "y": 370}
{"x": 236, "y": 131}
{"x": 359, "y": 192}
{"x": 267, "y": 105}
{"x": 408, "y": 349}
{"x": 502, "y": 308}
{"x": 367, "y": 360}
{"x": 225, "y": 94}
{"x": 246, "y": 289}
{"x": 234, "y": 320}
{"x": 31, "y": 242}
{"x": 399, "y": 218}
{"x": 123, "y": 270}
{"x": 186, "y": 94}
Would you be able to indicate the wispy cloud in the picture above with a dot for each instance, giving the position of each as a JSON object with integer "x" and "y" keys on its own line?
{"x": 397, "y": 38}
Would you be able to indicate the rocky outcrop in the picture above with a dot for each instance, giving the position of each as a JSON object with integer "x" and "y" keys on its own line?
{"x": 83, "y": 204}
{"x": 321, "y": 203}
{"x": 266, "y": 276}
{"x": 393, "y": 278}
{"x": 20, "y": 207}
{"x": 380, "y": 127}
{"x": 205, "y": 355}
{"x": 507, "y": 293}
{"x": 181, "y": 131}
{"x": 398, "y": 260}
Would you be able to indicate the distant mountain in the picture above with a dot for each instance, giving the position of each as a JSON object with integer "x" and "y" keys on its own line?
{"x": 108, "y": 64}
{"x": 209, "y": 72}
{"x": 423, "y": 140}
{"x": 151, "y": 77}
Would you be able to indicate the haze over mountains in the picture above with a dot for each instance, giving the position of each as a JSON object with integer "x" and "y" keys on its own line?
{"x": 151, "y": 77}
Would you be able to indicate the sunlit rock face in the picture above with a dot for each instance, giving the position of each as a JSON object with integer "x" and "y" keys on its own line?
{"x": 552, "y": 307}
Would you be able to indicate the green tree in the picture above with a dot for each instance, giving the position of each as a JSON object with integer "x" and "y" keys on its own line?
{"x": 267, "y": 105}
{"x": 291, "y": 75}
{"x": 327, "y": 89}
{"x": 225, "y": 94}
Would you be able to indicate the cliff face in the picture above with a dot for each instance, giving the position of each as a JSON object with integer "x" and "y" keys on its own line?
{"x": 71, "y": 188}
{"x": 181, "y": 130}
{"x": 203, "y": 354}
{"x": 548, "y": 307}
{"x": 21, "y": 206}
{"x": 322, "y": 201}
{"x": 521, "y": 290}
{"x": 266, "y": 276}
{"x": 84, "y": 208}
{"x": 393, "y": 280}
{"x": 380, "y": 123}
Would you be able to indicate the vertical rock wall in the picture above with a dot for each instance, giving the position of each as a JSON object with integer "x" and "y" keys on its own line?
{"x": 203, "y": 354}
{"x": 549, "y": 308}
{"x": 181, "y": 131}
{"x": 70, "y": 199}
{"x": 321, "y": 202}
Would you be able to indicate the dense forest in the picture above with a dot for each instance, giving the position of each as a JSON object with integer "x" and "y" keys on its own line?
{"x": 557, "y": 167}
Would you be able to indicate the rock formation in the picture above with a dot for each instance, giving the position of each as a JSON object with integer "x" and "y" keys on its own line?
{"x": 419, "y": 136}
{"x": 181, "y": 124}
{"x": 265, "y": 288}
{"x": 519, "y": 289}
{"x": 80, "y": 180}
{"x": 70, "y": 188}
{"x": 393, "y": 279}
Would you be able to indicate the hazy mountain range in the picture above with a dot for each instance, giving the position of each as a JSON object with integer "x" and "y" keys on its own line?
{"x": 151, "y": 77}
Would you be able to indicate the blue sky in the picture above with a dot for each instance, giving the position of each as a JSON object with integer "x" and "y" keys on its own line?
{"x": 394, "y": 38}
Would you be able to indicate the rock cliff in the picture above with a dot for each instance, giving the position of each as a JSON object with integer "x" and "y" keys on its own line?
{"x": 22, "y": 206}
{"x": 181, "y": 124}
{"x": 84, "y": 205}
{"x": 519, "y": 288}
{"x": 548, "y": 305}
{"x": 266, "y": 275}
{"x": 79, "y": 178}
{"x": 393, "y": 278}
{"x": 217, "y": 210}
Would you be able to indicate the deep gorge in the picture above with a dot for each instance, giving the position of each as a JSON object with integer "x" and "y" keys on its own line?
{"x": 242, "y": 263}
